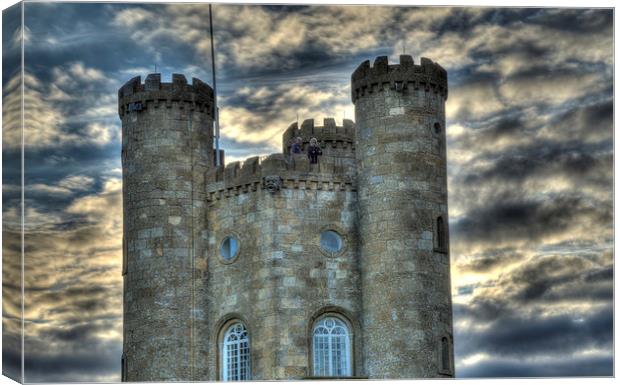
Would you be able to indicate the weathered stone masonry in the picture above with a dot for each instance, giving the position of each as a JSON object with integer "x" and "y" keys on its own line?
{"x": 400, "y": 150}
{"x": 380, "y": 184}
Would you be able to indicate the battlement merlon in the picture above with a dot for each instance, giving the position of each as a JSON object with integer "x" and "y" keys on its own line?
{"x": 427, "y": 75}
{"x": 328, "y": 132}
{"x": 198, "y": 94}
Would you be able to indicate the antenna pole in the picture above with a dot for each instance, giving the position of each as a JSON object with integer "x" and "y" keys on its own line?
{"x": 216, "y": 110}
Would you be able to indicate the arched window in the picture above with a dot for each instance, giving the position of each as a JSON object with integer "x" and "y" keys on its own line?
{"x": 125, "y": 255}
{"x": 236, "y": 353}
{"x": 437, "y": 127}
{"x": 331, "y": 348}
{"x": 441, "y": 234}
{"x": 445, "y": 354}
{"x": 123, "y": 367}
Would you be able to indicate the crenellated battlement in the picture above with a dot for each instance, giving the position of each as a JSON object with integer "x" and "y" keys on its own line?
{"x": 135, "y": 95}
{"x": 294, "y": 171}
{"x": 402, "y": 77}
{"x": 329, "y": 134}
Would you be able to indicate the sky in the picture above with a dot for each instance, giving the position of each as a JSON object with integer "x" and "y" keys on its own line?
{"x": 529, "y": 144}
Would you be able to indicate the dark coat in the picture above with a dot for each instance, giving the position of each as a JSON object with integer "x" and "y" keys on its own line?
{"x": 313, "y": 153}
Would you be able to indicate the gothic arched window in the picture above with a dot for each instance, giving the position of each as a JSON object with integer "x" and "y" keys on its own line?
{"x": 331, "y": 348}
{"x": 441, "y": 234}
{"x": 445, "y": 354}
{"x": 236, "y": 353}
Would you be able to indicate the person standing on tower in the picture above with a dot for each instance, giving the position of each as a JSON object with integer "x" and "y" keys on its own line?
{"x": 314, "y": 151}
{"x": 296, "y": 146}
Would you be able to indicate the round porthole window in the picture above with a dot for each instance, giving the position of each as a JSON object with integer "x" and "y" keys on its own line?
{"x": 229, "y": 248}
{"x": 331, "y": 242}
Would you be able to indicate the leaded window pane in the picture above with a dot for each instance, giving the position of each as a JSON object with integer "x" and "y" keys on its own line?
{"x": 236, "y": 354}
{"x": 331, "y": 348}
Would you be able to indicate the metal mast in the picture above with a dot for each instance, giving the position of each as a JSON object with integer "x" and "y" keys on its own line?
{"x": 216, "y": 110}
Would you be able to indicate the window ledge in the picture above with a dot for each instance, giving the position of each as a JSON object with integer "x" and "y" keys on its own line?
{"x": 439, "y": 250}
{"x": 335, "y": 378}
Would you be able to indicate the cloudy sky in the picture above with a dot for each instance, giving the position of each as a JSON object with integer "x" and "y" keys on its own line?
{"x": 530, "y": 154}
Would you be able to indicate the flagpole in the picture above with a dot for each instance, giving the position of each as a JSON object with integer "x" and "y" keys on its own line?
{"x": 216, "y": 110}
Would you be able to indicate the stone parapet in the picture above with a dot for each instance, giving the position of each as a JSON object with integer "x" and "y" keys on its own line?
{"x": 406, "y": 75}
{"x": 295, "y": 172}
{"x": 137, "y": 95}
{"x": 329, "y": 134}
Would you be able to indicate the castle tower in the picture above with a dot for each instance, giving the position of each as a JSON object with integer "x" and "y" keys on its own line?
{"x": 403, "y": 217}
{"x": 166, "y": 151}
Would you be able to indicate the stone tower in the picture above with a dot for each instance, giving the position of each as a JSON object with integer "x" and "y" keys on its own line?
{"x": 403, "y": 216}
{"x": 166, "y": 151}
{"x": 278, "y": 267}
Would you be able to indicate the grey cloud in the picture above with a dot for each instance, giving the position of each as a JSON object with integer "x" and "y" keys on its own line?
{"x": 86, "y": 363}
{"x": 506, "y": 126}
{"x": 475, "y": 98}
{"x": 513, "y": 217}
{"x": 483, "y": 310}
{"x": 536, "y": 367}
{"x": 546, "y": 86}
{"x": 592, "y": 122}
{"x": 11, "y": 355}
{"x": 525, "y": 335}
{"x": 602, "y": 274}
{"x": 489, "y": 259}
{"x": 575, "y": 20}
{"x": 81, "y": 333}
{"x": 556, "y": 278}
{"x": 546, "y": 158}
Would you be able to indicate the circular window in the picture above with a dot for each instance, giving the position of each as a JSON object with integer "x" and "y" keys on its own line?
{"x": 229, "y": 248}
{"x": 331, "y": 241}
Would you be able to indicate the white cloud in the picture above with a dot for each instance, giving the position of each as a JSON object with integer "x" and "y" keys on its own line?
{"x": 65, "y": 187}
{"x": 77, "y": 182}
{"x": 132, "y": 16}
{"x": 102, "y": 134}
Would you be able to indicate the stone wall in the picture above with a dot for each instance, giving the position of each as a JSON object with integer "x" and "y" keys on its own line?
{"x": 281, "y": 278}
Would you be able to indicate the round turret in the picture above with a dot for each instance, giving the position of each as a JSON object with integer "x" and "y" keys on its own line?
{"x": 403, "y": 216}
{"x": 428, "y": 76}
{"x": 134, "y": 94}
{"x": 166, "y": 151}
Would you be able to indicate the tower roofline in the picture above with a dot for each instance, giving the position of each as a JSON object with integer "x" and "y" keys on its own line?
{"x": 153, "y": 89}
{"x": 427, "y": 75}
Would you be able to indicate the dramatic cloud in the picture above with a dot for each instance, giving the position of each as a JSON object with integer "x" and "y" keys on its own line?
{"x": 530, "y": 151}
{"x": 73, "y": 286}
{"x": 60, "y": 112}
